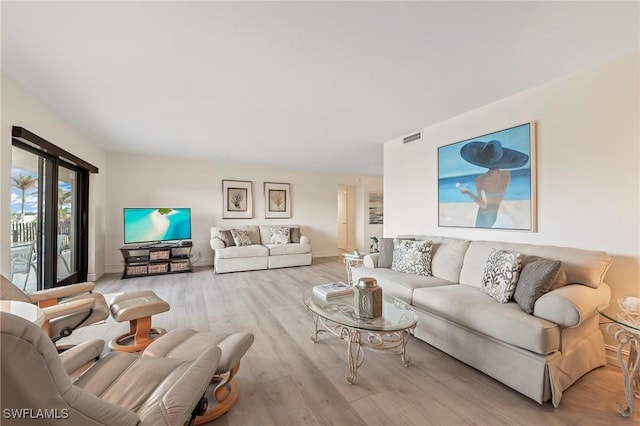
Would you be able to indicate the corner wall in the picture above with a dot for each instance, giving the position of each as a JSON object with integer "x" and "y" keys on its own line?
{"x": 588, "y": 179}
{"x": 22, "y": 108}
{"x": 148, "y": 181}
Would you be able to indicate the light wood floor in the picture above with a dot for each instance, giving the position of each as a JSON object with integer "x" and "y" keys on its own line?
{"x": 286, "y": 379}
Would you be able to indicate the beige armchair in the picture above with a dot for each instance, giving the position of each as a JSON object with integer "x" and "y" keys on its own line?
{"x": 66, "y": 308}
{"x": 119, "y": 389}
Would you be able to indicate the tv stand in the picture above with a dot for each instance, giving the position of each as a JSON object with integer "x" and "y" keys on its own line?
{"x": 156, "y": 259}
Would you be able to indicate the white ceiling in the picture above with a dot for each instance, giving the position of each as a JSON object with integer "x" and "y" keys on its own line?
{"x": 313, "y": 85}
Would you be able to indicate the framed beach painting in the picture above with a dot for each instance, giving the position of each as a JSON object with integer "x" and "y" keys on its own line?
{"x": 277, "y": 198}
{"x": 237, "y": 199}
{"x": 489, "y": 181}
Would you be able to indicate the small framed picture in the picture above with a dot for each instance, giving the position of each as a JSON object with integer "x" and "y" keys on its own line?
{"x": 277, "y": 197}
{"x": 237, "y": 199}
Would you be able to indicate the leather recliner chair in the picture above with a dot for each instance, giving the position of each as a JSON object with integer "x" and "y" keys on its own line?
{"x": 66, "y": 308}
{"x": 119, "y": 389}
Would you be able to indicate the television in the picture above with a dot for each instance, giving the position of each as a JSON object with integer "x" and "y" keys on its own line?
{"x": 144, "y": 225}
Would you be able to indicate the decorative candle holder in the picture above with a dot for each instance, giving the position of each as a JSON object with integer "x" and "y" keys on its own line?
{"x": 367, "y": 299}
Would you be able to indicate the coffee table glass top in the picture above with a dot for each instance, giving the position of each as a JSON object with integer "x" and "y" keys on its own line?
{"x": 396, "y": 314}
{"x": 626, "y": 320}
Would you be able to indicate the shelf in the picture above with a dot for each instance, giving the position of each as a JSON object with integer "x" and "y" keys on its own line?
{"x": 156, "y": 259}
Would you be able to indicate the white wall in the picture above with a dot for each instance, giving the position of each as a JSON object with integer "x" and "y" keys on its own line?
{"x": 23, "y": 109}
{"x": 588, "y": 167}
{"x": 148, "y": 181}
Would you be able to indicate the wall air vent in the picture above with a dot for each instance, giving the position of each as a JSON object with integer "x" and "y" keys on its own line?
{"x": 412, "y": 137}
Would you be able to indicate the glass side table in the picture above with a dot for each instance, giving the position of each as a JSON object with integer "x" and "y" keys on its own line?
{"x": 625, "y": 328}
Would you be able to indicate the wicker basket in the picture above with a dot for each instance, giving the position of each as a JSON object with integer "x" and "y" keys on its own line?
{"x": 159, "y": 254}
{"x": 154, "y": 268}
{"x": 180, "y": 265}
{"x": 136, "y": 269}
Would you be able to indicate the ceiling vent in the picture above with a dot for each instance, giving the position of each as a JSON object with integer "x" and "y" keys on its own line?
{"x": 412, "y": 137}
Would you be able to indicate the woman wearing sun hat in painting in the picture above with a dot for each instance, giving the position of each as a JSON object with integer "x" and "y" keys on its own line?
{"x": 492, "y": 185}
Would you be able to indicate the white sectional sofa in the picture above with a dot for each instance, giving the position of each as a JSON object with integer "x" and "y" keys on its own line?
{"x": 261, "y": 253}
{"x": 539, "y": 354}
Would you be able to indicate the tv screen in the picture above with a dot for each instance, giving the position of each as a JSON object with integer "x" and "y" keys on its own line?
{"x": 156, "y": 224}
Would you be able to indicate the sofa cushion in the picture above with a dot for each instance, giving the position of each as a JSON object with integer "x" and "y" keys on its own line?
{"x": 536, "y": 278}
{"x": 291, "y": 248}
{"x": 471, "y": 308}
{"x": 240, "y": 237}
{"x": 412, "y": 257}
{"x": 501, "y": 274}
{"x": 398, "y": 284}
{"x": 385, "y": 258}
{"x": 279, "y": 235}
{"x": 447, "y": 255}
{"x": 254, "y": 250}
{"x": 578, "y": 266}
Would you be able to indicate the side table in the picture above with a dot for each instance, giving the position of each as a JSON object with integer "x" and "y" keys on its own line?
{"x": 25, "y": 310}
{"x": 625, "y": 328}
{"x": 352, "y": 260}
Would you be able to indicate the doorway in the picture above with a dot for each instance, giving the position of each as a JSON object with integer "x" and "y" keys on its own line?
{"x": 346, "y": 218}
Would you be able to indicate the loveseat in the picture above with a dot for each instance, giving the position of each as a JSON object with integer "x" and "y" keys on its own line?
{"x": 539, "y": 354}
{"x": 267, "y": 248}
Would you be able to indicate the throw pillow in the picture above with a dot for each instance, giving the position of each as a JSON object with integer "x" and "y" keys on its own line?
{"x": 227, "y": 238}
{"x": 279, "y": 235}
{"x": 501, "y": 274}
{"x": 412, "y": 257}
{"x": 294, "y": 234}
{"x": 385, "y": 258}
{"x": 536, "y": 278}
{"x": 241, "y": 238}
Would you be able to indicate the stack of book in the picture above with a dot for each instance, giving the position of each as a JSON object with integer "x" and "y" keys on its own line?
{"x": 331, "y": 290}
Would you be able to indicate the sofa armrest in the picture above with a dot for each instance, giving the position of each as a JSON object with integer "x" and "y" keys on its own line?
{"x": 371, "y": 260}
{"x": 216, "y": 243}
{"x": 570, "y": 305}
{"x": 304, "y": 239}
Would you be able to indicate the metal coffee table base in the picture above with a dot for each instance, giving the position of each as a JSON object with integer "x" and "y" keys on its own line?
{"x": 384, "y": 341}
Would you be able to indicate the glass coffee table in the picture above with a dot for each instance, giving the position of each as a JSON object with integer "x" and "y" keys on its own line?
{"x": 625, "y": 328}
{"x": 388, "y": 333}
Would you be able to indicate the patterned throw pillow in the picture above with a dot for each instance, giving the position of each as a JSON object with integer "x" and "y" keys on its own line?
{"x": 279, "y": 235}
{"x": 411, "y": 257}
{"x": 241, "y": 238}
{"x": 501, "y": 274}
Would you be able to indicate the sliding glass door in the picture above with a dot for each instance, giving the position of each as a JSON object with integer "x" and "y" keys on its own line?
{"x": 49, "y": 205}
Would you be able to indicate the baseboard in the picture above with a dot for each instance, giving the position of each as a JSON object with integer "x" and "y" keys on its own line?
{"x": 325, "y": 254}
{"x": 612, "y": 354}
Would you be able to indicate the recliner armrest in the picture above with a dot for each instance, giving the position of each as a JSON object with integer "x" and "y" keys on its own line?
{"x": 178, "y": 403}
{"x": 60, "y": 292}
{"x": 77, "y": 356}
{"x": 68, "y": 308}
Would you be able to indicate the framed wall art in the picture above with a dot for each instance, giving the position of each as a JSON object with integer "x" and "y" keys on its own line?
{"x": 277, "y": 198}
{"x": 375, "y": 208}
{"x": 489, "y": 181}
{"x": 237, "y": 199}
